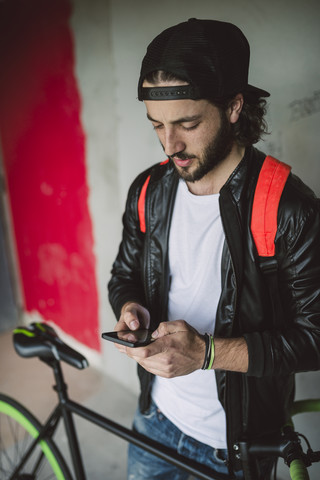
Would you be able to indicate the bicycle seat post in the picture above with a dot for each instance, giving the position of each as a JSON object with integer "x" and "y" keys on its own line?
{"x": 60, "y": 386}
{"x": 62, "y": 390}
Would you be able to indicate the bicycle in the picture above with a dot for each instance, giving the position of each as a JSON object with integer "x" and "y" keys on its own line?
{"x": 28, "y": 450}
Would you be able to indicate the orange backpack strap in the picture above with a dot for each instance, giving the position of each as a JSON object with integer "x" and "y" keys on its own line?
{"x": 142, "y": 201}
{"x": 142, "y": 204}
{"x": 272, "y": 179}
{"x": 264, "y": 217}
{"x": 264, "y": 223}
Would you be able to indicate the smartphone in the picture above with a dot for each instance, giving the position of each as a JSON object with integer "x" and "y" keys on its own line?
{"x": 138, "y": 338}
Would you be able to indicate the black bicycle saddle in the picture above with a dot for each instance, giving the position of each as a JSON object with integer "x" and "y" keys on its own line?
{"x": 41, "y": 340}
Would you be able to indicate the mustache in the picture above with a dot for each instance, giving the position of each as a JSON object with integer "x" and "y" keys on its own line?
{"x": 181, "y": 156}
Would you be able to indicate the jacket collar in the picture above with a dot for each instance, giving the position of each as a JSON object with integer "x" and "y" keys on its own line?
{"x": 238, "y": 178}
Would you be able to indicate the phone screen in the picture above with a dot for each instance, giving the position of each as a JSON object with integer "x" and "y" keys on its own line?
{"x": 138, "y": 338}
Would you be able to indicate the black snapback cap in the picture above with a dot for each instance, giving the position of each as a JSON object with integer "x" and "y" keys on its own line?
{"x": 212, "y": 57}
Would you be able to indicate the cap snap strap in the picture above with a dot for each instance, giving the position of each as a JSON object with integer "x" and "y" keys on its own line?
{"x": 167, "y": 93}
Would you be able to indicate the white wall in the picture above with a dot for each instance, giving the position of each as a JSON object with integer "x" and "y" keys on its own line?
{"x": 285, "y": 44}
{"x": 111, "y": 39}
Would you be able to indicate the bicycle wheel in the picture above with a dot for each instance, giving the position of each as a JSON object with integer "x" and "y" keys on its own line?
{"x": 18, "y": 428}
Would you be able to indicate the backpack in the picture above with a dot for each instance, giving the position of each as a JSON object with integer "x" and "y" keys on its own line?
{"x": 271, "y": 181}
{"x": 264, "y": 223}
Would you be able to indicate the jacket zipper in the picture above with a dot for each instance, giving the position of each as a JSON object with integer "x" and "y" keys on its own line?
{"x": 146, "y": 255}
{"x": 231, "y": 446}
{"x": 163, "y": 293}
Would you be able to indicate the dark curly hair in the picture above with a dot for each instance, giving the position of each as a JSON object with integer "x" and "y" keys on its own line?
{"x": 251, "y": 125}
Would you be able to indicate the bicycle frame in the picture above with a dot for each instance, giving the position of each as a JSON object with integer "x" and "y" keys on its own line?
{"x": 66, "y": 407}
{"x": 29, "y": 343}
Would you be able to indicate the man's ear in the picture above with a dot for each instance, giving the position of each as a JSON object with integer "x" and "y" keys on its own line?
{"x": 235, "y": 108}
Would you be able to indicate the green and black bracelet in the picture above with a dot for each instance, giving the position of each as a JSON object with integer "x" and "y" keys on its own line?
{"x": 209, "y": 354}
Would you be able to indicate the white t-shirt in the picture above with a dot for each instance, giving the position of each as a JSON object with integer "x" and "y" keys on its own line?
{"x": 195, "y": 249}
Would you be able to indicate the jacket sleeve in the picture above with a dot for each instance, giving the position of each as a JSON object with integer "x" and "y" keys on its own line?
{"x": 126, "y": 282}
{"x": 295, "y": 345}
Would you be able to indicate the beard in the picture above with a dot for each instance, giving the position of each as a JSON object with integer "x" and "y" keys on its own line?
{"x": 214, "y": 153}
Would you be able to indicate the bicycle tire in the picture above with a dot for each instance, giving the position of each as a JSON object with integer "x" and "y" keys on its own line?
{"x": 18, "y": 428}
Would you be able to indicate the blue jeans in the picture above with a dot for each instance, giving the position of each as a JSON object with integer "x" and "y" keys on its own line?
{"x": 145, "y": 466}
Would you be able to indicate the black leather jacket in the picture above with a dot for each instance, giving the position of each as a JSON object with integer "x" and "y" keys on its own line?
{"x": 258, "y": 402}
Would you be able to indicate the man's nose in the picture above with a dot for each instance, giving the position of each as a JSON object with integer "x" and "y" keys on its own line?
{"x": 173, "y": 144}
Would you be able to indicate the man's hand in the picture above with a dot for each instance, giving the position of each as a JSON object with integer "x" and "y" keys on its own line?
{"x": 133, "y": 317}
{"x": 178, "y": 350}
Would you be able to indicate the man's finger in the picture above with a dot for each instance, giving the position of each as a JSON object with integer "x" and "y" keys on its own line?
{"x": 167, "y": 328}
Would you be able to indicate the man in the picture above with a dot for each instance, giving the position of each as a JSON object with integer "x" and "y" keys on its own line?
{"x": 221, "y": 366}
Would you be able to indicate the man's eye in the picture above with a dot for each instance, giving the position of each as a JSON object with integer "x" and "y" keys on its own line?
{"x": 193, "y": 127}
{"x": 157, "y": 127}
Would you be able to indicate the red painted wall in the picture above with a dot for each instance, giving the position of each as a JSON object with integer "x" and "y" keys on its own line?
{"x": 43, "y": 146}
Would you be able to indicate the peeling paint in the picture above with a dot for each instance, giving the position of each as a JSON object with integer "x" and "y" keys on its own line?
{"x": 43, "y": 145}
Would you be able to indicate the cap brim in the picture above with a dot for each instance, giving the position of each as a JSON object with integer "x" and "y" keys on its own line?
{"x": 257, "y": 91}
